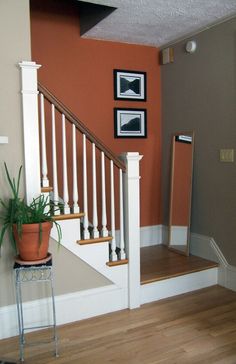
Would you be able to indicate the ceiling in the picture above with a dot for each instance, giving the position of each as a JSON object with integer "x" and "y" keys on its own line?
{"x": 158, "y": 22}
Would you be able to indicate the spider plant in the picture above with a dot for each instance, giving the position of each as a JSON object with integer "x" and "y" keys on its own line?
{"x": 17, "y": 212}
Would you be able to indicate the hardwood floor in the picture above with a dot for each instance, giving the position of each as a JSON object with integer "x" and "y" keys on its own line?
{"x": 195, "y": 328}
{"x": 158, "y": 263}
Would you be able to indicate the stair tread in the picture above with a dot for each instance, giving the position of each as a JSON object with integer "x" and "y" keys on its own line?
{"x": 118, "y": 262}
{"x": 94, "y": 240}
{"x": 46, "y": 189}
{"x": 159, "y": 263}
{"x": 77, "y": 215}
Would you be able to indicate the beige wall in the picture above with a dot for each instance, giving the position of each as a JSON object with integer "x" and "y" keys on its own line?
{"x": 15, "y": 47}
{"x": 199, "y": 93}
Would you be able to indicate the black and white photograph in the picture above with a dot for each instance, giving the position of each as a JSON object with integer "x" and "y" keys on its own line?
{"x": 130, "y": 123}
{"x": 129, "y": 85}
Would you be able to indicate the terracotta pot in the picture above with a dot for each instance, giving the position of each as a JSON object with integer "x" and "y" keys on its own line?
{"x": 29, "y": 245}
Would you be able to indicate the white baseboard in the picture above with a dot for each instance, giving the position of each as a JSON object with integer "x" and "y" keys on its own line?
{"x": 178, "y": 235}
{"x": 150, "y": 235}
{"x": 206, "y": 247}
{"x": 178, "y": 285}
{"x": 69, "y": 308}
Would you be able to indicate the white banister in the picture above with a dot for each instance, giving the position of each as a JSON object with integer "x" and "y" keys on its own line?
{"x": 44, "y": 167}
{"x": 30, "y": 128}
{"x": 54, "y": 164}
{"x": 104, "y": 210}
{"x": 75, "y": 183}
{"x": 132, "y": 224}
{"x": 95, "y": 209}
{"x": 65, "y": 174}
{"x": 85, "y": 199}
{"x": 113, "y": 232}
{"x": 122, "y": 241}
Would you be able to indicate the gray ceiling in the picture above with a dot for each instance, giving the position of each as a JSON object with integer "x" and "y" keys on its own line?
{"x": 158, "y": 22}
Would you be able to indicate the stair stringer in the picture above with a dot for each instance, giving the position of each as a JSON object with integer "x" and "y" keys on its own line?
{"x": 95, "y": 255}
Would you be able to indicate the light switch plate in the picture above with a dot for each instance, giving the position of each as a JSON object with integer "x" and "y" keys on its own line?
{"x": 227, "y": 155}
{"x": 3, "y": 140}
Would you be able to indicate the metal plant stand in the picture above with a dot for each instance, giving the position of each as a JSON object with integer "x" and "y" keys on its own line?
{"x": 34, "y": 273}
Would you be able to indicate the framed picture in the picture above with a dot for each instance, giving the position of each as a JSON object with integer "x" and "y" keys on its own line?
{"x": 130, "y": 123}
{"x": 129, "y": 85}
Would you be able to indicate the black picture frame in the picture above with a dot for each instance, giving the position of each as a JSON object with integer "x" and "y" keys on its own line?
{"x": 130, "y": 123}
{"x": 129, "y": 85}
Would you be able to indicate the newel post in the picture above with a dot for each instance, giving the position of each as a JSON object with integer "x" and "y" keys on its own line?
{"x": 29, "y": 93}
{"x": 132, "y": 224}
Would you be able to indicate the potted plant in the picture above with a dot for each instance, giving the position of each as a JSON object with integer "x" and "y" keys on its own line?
{"x": 28, "y": 225}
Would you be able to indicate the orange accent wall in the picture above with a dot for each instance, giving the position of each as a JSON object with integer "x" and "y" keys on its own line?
{"x": 80, "y": 73}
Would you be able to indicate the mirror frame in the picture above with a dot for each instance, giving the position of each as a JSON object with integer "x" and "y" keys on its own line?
{"x": 170, "y": 247}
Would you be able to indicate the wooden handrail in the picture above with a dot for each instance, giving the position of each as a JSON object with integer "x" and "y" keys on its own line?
{"x": 80, "y": 126}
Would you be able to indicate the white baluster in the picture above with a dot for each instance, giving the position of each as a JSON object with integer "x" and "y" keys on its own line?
{"x": 95, "y": 209}
{"x": 122, "y": 241}
{"x": 104, "y": 211}
{"x": 54, "y": 164}
{"x": 85, "y": 219}
{"x": 113, "y": 232}
{"x": 65, "y": 176}
{"x": 75, "y": 184}
{"x": 44, "y": 167}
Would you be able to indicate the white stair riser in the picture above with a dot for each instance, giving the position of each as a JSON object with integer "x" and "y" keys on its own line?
{"x": 174, "y": 286}
{"x": 95, "y": 255}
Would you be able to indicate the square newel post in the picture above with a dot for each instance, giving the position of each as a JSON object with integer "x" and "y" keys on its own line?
{"x": 132, "y": 224}
{"x": 30, "y": 128}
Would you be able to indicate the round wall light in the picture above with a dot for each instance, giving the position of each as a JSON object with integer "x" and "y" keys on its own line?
{"x": 191, "y": 46}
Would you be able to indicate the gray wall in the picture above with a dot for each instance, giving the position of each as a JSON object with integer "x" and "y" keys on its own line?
{"x": 70, "y": 272}
{"x": 199, "y": 93}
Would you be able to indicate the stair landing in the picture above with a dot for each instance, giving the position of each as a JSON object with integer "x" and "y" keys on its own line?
{"x": 158, "y": 263}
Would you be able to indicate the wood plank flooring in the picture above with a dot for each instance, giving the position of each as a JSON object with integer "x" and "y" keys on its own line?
{"x": 195, "y": 328}
{"x": 158, "y": 263}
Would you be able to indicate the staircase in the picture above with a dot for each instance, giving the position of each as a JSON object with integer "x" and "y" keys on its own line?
{"x": 94, "y": 193}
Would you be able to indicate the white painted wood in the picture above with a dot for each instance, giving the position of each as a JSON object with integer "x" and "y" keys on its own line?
{"x": 75, "y": 183}
{"x": 150, "y": 235}
{"x": 95, "y": 209}
{"x": 206, "y": 247}
{"x": 65, "y": 174}
{"x": 174, "y": 286}
{"x": 122, "y": 240}
{"x": 86, "y": 234}
{"x": 113, "y": 242}
{"x": 30, "y": 129}
{"x": 104, "y": 231}
{"x": 54, "y": 164}
{"x": 178, "y": 235}
{"x": 44, "y": 167}
{"x": 69, "y": 308}
{"x": 132, "y": 223}
{"x": 95, "y": 255}
{"x": 3, "y": 140}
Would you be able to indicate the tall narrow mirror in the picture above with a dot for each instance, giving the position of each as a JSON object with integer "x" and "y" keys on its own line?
{"x": 181, "y": 191}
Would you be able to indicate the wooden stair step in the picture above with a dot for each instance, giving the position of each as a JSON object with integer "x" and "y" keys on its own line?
{"x": 94, "y": 241}
{"x": 46, "y": 189}
{"x": 118, "y": 262}
{"x": 68, "y": 216}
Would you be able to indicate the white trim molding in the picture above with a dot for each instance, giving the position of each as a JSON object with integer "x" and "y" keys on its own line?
{"x": 206, "y": 247}
{"x": 178, "y": 285}
{"x": 132, "y": 223}
{"x": 30, "y": 128}
{"x": 150, "y": 235}
{"x": 69, "y": 308}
